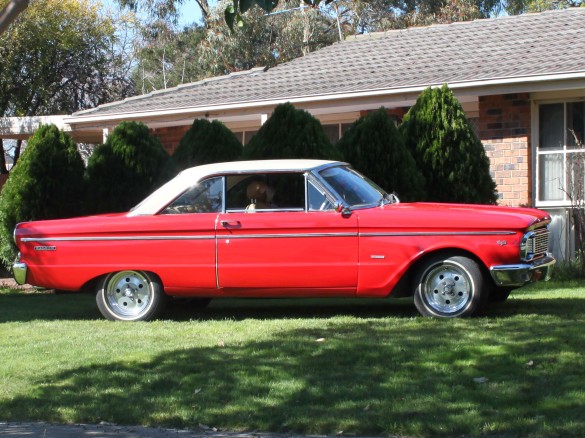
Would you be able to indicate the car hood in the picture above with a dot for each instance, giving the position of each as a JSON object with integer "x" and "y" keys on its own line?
{"x": 452, "y": 216}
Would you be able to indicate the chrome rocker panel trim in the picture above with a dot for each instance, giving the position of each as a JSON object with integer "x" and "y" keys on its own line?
{"x": 523, "y": 273}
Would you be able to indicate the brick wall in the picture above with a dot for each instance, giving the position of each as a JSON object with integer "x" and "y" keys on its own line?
{"x": 170, "y": 137}
{"x": 505, "y": 133}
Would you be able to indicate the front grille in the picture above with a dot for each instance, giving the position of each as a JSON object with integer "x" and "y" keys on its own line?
{"x": 535, "y": 244}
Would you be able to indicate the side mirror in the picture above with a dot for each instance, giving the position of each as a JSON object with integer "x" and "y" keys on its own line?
{"x": 345, "y": 211}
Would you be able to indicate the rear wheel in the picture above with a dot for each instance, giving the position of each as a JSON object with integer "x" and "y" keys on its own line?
{"x": 130, "y": 296}
{"x": 448, "y": 287}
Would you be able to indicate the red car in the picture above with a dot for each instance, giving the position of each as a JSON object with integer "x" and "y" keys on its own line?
{"x": 286, "y": 228}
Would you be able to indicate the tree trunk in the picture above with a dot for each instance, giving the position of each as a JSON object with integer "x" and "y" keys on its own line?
{"x": 9, "y": 13}
{"x": 3, "y": 168}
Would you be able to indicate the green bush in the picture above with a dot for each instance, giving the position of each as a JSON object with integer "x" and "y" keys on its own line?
{"x": 46, "y": 183}
{"x": 375, "y": 147}
{"x": 125, "y": 169}
{"x": 447, "y": 151}
{"x": 205, "y": 142}
{"x": 291, "y": 133}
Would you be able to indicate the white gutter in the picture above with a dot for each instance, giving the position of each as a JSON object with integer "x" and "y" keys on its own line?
{"x": 81, "y": 119}
{"x": 26, "y": 126}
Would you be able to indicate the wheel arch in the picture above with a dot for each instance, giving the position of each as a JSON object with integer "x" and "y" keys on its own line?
{"x": 404, "y": 287}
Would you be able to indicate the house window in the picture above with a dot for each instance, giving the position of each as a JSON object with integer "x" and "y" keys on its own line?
{"x": 560, "y": 152}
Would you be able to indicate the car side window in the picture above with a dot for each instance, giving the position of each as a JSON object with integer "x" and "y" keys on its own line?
{"x": 265, "y": 191}
{"x": 204, "y": 197}
{"x": 318, "y": 201}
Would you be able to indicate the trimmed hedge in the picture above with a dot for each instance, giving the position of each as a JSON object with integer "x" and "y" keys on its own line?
{"x": 46, "y": 183}
{"x": 375, "y": 147}
{"x": 125, "y": 169}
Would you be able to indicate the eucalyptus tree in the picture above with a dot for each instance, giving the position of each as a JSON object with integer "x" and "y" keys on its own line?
{"x": 57, "y": 57}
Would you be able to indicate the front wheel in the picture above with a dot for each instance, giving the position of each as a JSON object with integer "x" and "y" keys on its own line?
{"x": 130, "y": 296}
{"x": 449, "y": 287}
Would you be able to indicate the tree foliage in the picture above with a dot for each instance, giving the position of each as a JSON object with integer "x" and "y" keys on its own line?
{"x": 206, "y": 142}
{"x": 375, "y": 147}
{"x": 167, "y": 57}
{"x": 290, "y": 133}
{"x": 47, "y": 183}
{"x": 447, "y": 150}
{"x": 125, "y": 169}
{"x": 58, "y": 57}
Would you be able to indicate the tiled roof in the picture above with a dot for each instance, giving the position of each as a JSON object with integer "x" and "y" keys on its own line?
{"x": 499, "y": 49}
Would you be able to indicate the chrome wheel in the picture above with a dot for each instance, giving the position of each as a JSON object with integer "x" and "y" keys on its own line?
{"x": 130, "y": 296}
{"x": 449, "y": 287}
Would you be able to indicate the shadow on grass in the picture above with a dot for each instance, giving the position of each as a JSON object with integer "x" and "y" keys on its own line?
{"x": 22, "y": 307}
{"x": 359, "y": 377}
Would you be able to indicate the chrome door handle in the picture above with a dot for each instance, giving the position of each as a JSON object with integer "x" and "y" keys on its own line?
{"x": 231, "y": 224}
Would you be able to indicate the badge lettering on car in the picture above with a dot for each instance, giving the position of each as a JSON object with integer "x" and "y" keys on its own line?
{"x": 45, "y": 248}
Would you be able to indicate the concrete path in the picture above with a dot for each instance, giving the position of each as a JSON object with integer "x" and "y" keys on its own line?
{"x": 47, "y": 430}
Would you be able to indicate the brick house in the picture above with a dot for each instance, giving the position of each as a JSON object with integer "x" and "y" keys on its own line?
{"x": 520, "y": 80}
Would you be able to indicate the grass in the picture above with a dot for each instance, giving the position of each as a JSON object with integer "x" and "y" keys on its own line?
{"x": 345, "y": 367}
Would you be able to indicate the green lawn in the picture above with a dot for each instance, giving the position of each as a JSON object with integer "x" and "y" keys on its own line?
{"x": 307, "y": 366}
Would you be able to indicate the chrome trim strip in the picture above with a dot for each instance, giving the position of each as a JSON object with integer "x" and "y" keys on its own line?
{"x": 263, "y": 236}
{"x": 230, "y": 236}
{"x": 439, "y": 233}
{"x": 283, "y": 236}
{"x": 112, "y": 238}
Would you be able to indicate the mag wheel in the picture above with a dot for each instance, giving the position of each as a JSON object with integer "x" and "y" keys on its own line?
{"x": 130, "y": 296}
{"x": 449, "y": 287}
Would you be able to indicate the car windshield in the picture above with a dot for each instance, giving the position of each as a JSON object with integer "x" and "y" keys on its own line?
{"x": 355, "y": 189}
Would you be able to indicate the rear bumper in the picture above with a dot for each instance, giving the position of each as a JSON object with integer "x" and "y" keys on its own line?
{"x": 523, "y": 273}
{"x": 19, "y": 272}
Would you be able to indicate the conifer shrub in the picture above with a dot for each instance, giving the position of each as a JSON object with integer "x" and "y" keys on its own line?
{"x": 291, "y": 133}
{"x": 447, "y": 151}
{"x": 205, "y": 142}
{"x": 46, "y": 183}
{"x": 125, "y": 169}
{"x": 375, "y": 147}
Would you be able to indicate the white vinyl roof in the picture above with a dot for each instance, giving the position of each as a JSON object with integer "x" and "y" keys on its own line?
{"x": 189, "y": 177}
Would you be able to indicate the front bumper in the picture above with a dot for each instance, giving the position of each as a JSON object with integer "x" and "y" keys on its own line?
{"x": 19, "y": 272}
{"x": 523, "y": 273}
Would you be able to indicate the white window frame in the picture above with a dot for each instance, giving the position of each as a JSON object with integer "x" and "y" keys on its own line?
{"x": 537, "y": 153}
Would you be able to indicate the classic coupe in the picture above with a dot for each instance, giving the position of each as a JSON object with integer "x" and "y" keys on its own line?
{"x": 286, "y": 228}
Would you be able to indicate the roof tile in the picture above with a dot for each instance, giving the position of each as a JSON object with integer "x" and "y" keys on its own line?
{"x": 549, "y": 43}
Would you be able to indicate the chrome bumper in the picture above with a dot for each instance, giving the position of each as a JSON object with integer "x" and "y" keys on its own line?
{"x": 19, "y": 272}
{"x": 523, "y": 273}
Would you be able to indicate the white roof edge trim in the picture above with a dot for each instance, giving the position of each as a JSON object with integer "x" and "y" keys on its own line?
{"x": 252, "y": 104}
{"x": 188, "y": 177}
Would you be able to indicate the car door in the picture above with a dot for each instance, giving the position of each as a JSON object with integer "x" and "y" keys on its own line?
{"x": 187, "y": 256}
{"x": 286, "y": 246}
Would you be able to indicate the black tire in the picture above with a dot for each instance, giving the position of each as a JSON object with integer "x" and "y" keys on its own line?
{"x": 449, "y": 287}
{"x": 193, "y": 303}
{"x": 130, "y": 296}
{"x": 499, "y": 294}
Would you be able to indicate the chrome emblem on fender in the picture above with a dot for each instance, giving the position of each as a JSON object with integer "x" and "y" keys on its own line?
{"x": 502, "y": 242}
{"x": 45, "y": 248}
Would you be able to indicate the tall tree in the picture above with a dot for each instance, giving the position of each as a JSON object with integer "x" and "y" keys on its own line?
{"x": 375, "y": 147}
{"x": 447, "y": 150}
{"x": 291, "y": 133}
{"x": 126, "y": 168}
{"x": 58, "y": 57}
{"x": 265, "y": 40}
{"x": 167, "y": 57}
